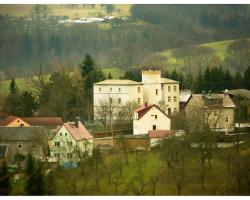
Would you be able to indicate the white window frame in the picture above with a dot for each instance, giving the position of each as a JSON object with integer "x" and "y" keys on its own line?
{"x": 19, "y": 143}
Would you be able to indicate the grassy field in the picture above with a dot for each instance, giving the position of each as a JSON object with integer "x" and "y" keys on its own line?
{"x": 218, "y": 180}
{"x": 220, "y": 50}
{"x": 23, "y": 85}
{"x": 64, "y": 10}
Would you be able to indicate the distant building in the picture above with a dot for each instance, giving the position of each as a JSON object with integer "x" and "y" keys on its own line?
{"x": 153, "y": 89}
{"x": 185, "y": 95}
{"x": 71, "y": 140}
{"x": 48, "y": 122}
{"x": 22, "y": 140}
{"x": 150, "y": 117}
{"x": 218, "y": 108}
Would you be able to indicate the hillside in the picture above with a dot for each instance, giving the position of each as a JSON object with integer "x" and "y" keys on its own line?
{"x": 24, "y": 85}
{"x": 72, "y": 11}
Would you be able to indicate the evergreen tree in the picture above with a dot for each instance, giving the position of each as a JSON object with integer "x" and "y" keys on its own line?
{"x": 27, "y": 104}
{"x": 50, "y": 184}
{"x": 198, "y": 84}
{"x": 228, "y": 80}
{"x": 30, "y": 171}
{"x": 87, "y": 65}
{"x": 133, "y": 74}
{"x": 247, "y": 78}
{"x": 238, "y": 81}
{"x": 5, "y": 185}
{"x": 110, "y": 76}
{"x": 39, "y": 179}
{"x": 12, "y": 100}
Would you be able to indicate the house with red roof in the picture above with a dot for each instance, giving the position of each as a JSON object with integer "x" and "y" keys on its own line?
{"x": 14, "y": 121}
{"x": 70, "y": 142}
{"x": 150, "y": 117}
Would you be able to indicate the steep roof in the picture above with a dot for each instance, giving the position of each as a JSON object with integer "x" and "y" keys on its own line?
{"x": 118, "y": 82}
{"x": 166, "y": 80}
{"x": 227, "y": 101}
{"x": 10, "y": 119}
{"x": 244, "y": 93}
{"x": 78, "y": 133}
{"x": 144, "y": 109}
{"x": 43, "y": 121}
{"x": 30, "y": 133}
{"x": 159, "y": 133}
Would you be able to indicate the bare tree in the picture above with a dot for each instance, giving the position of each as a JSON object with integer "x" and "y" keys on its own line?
{"x": 38, "y": 79}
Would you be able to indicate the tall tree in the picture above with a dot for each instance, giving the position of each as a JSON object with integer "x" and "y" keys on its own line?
{"x": 12, "y": 100}
{"x": 28, "y": 104}
{"x": 5, "y": 185}
{"x": 247, "y": 78}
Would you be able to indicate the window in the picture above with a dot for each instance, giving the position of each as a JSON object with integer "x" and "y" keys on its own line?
{"x": 119, "y": 89}
{"x": 70, "y": 144}
{"x": 154, "y": 127}
{"x": 215, "y": 113}
{"x": 155, "y": 116}
{"x": 119, "y": 100}
{"x": 110, "y": 89}
{"x": 110, "y": 100}
{"x": 57, "y": 155}
{"x": 100, "y": 89}
{"x": 169, "y": 111}
{"x": 175, "y": 88}
{"x": 69, "y": 155}
{"x": 57, "y": 144}
{"x": 227, "y": 119}
{"x": 175, "y": 109}
{"x": 169, "y": 88}
{"x": 169, "y": 99}
{"x": 19, "y": 145}
{"x": 175, "y": 98}
{"x": 156, "y": 92}
{"x": 60, "y": 133}
{"x": 65, "y": 134}
{"x": 139, "y": 100}
{"x": 139, "y": 89}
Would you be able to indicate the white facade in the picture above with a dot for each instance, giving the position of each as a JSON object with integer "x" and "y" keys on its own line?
{"x": 153, "y": 119}
{"x": 64, "y": 147}
{"x": 156, "y": 89}
{"x": 120, "y": 91}
{"x": 153, "y": 89}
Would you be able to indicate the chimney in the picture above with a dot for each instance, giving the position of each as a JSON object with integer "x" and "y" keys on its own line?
{"x": 77, "y": 121}
{"x": 146, "y": 104}
{"x": 226, "y": 92}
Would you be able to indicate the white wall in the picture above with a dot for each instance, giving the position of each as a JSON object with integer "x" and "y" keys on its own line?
{"x": 65, "y": 148}
{"x": 165, "y": 94}
{"x": 143, "y": 125}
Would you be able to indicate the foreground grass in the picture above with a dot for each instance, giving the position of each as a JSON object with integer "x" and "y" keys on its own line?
{"x": 218, "y": 180}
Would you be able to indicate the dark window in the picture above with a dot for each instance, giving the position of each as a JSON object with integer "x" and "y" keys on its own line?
{"x": 57, "y": 144}
{"x": 156, "y": 92}
{"x": 155, "y": 116}
{"x": 154, "y": 127}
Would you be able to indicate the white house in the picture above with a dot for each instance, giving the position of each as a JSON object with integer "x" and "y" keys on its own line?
{"x": 153, "y": 89}
{"x": 118, "y": 91}
{"x": 71, "y": 140}
{"x": 150, "y": 117}
{"x": 156, "y": 89}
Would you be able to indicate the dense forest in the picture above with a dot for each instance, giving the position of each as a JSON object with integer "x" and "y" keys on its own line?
{"x": 26, "y": 42}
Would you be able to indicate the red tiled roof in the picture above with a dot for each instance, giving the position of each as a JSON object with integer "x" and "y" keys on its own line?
{"x": 78, "y": 133}
{"x": 143, "y": 110}
{"x": 10, "y": 119}
{"x": 43, "y": 121}
{"x": 159, "y": 133}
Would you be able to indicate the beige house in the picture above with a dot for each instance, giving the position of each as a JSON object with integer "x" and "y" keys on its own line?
{"x": 71, "y": 140}
{"x": 215, "y": 109}
{"x": 153, "y": 89}
{"x": 118, "y": 91}
{"x": 150, "y": 117}
{"x": 157, "y": 89}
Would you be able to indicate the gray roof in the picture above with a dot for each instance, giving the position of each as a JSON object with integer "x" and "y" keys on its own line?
{"x": 22, "y": 133}
{"x": 118, "y": 82}
{"x": 244, "y": 93}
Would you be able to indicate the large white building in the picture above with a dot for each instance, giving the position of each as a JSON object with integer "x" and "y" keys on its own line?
{"x": 153, "y": 89}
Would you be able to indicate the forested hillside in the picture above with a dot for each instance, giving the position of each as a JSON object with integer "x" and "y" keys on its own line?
{"x": 38, "y": 37}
